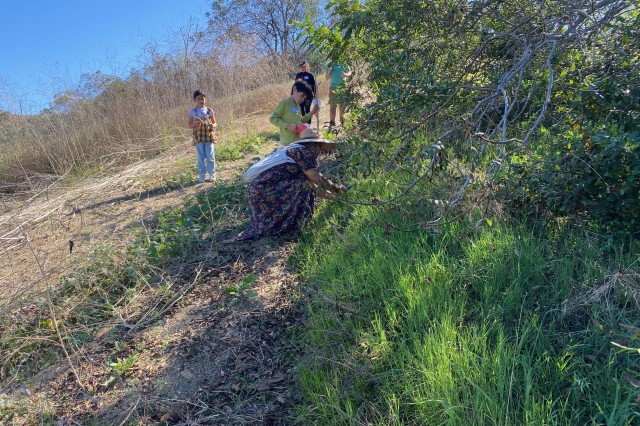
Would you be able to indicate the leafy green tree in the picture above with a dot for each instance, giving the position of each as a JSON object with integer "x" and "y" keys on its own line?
{"x": 483, "y": 78}
{"x": 587, "y": 160}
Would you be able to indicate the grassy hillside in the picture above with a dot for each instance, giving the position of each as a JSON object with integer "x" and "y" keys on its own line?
{"x": 110, "y": 338}
{"x": 371, "y": 317}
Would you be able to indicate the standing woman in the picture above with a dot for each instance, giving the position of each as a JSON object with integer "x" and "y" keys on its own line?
{"x": 337, "y": 72}
{"x": 306, "y": 76}
{"x": 282, "y": 198}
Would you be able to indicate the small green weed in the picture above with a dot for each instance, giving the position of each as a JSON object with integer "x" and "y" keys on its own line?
{"x": 7, "y": 407}
{"x": 242, "y": 290}
{"x": 178, "y": 180}
{"x": 238, "y": 148}
{"x": 167, "y": 136}
{"x": 229, "y": 153}
{"x": 123, "y": 365}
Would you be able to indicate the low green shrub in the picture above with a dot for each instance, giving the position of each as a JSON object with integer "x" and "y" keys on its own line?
{"x": 586, "y": 161}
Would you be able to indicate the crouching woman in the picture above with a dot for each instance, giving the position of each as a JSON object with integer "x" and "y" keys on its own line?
{"x": 282, "y": 198}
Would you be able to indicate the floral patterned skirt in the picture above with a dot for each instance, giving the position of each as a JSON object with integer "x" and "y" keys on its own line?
{"x": 281, "y": 202}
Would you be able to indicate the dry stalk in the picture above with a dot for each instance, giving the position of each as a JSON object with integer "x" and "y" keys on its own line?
{"x": 625, "y": 281}
{"x": 52, "y": 311}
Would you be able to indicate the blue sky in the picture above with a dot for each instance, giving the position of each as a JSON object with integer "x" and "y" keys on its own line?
{"x": 46, "y": 46}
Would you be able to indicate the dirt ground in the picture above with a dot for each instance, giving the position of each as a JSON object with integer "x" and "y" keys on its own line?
{"x": 206, "y": 361}
{"x": 210, "y": 358}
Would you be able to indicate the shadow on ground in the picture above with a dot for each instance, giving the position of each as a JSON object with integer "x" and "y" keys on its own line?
{"x": 211, "y": 358}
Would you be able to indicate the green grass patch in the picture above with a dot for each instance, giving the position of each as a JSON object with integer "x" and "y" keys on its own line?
{"x": 505, "y": 324}
{"x": 238, "y": 148}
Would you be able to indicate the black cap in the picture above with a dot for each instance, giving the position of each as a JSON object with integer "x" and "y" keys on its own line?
{"x": 302, "y": 64}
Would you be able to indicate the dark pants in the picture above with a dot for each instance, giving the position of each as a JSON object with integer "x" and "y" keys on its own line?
{"x": 305, "y": 108}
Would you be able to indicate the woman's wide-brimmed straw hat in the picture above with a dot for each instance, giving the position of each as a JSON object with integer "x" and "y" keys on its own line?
{"x": 312, "y": 135}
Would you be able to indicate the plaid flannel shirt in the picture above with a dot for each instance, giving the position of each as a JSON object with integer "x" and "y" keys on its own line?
{"x": 205, "y": 133}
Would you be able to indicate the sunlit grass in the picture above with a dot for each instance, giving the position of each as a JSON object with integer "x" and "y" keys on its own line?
{"x": 467, "y": 327}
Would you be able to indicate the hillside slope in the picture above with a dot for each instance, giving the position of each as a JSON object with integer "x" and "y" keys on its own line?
{"x": 196, "y": 351}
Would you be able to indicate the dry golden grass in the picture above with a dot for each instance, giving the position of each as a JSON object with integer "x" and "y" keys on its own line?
{"x": 110, "y": 207}
{"x": 107, "y": 206}
{"x": 129, "y": 120}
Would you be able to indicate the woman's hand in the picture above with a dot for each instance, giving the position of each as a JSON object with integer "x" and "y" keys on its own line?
{"x": 325, "y": 193}
{"x": 322, "y": 186}
{"x": 330, "y": 185}
{"x": 339, "y": 188}
{"x": 322, "y": 192}
{"x": 291, "y": 128}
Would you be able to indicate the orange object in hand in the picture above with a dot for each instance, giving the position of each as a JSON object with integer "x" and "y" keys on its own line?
{"x": 300, "y": 127}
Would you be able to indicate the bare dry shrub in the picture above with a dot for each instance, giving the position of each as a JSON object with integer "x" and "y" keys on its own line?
{"x": 619, "y": 287}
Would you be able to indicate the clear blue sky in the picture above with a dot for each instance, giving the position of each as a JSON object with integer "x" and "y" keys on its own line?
{"x": 46, "y": 45}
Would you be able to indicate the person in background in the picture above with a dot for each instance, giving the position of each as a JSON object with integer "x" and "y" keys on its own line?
{"x": 202, "y": 121}
{"x": 306, "y": 76}
{"x": 337, "y": 72}
{"x": 282, "y": 198}
{"x": 288, "y": 115}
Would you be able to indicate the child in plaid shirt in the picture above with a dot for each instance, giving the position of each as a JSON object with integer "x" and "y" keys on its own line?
{"x": 202, "y": 121}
